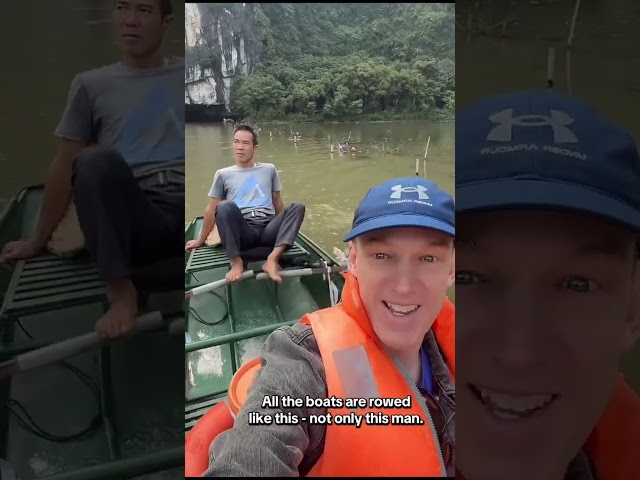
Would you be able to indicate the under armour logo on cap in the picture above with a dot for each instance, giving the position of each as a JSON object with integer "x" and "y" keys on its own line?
{"x": 403, "y": 202}
{"x": 398, "y": 190}
{"x": 558, "y": 121}
{"x": 595, "y": 175}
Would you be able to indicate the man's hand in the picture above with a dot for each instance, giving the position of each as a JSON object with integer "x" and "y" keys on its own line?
{"x": 278, "y": 202}
{"x": 193, "y": 244}
{"x": 19, "y": 250}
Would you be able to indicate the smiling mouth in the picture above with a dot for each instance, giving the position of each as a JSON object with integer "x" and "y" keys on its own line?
{"x": 509, "y": 406}
{"x": 400, "y": 310}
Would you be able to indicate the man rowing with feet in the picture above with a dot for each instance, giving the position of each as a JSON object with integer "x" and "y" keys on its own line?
{"x": 247, "y": 207}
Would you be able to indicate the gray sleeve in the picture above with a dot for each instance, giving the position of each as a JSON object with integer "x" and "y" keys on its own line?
{"x": 291, "y": 365}
{"x": 217, "y": 187}
{"x": 77, "y": 119}
{"x": 275, "y": 181}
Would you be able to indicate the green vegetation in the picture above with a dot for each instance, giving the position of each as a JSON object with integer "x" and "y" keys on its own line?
{"x": 345, "y": 62}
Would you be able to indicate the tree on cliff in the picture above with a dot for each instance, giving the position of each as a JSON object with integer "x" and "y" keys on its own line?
{"x": 346, "y": 61}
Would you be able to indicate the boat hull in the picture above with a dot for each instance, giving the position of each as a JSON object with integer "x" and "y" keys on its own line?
{"x": 240, "y": 316}
{"x": 139, "y": 389}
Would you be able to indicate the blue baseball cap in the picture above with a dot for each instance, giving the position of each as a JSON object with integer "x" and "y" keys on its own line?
{"x": 404, "y": 202}
{"x": 542, "y": 150}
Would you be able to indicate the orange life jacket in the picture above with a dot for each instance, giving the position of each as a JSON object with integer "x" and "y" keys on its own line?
{"x": 613, "y": 443}
{"x": 351, "y": 355}
{"x": 197, "y": 442}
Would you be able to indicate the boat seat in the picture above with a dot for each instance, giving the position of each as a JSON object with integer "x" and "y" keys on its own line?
{"x": 49, "y": 282}
{"x": 207, "y": 258}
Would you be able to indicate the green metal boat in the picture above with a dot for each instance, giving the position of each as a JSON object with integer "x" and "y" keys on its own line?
{"x": 227, "y": 326}
{"x": 112, "y": 411}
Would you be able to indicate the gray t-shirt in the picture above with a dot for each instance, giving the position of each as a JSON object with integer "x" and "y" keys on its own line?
{"x": 250, "y": 188}
{"x": 138, "y": 112}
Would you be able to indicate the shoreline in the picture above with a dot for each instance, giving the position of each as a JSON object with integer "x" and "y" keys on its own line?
{"x": 446, "y": 117}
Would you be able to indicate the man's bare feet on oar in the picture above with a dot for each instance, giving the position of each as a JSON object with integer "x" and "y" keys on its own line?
{"x": 121, "y": 317}
{"x": 237, "y": 267}
{"x": 271, "y": 266}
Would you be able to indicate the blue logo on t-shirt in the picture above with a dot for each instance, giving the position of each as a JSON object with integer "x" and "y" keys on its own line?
{"x": 251, "y": 195}
{"x": 153, "y": 132}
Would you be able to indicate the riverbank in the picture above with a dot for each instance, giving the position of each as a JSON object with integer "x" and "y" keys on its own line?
{"x": 435, "y": 116}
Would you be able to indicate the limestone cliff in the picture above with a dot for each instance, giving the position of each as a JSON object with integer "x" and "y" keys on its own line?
{"x": 222, "y": 43}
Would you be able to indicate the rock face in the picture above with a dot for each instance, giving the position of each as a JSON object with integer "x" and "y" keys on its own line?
{"x": 222, "y": 43}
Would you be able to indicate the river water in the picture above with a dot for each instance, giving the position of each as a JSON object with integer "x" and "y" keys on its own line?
{"x": 601, "y": 67}
{"x": 330, "y": 185}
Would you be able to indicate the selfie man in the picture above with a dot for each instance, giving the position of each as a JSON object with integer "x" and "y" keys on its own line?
{"x": 548, "y": 289}
{"x": 120, "y": 160}
{"x": 247, "y": 207}
{"x": 391, "y": 336}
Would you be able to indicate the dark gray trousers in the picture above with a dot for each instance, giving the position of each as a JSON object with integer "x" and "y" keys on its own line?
{"x": 124, "y": 225}
{"x": 239, "y": 233}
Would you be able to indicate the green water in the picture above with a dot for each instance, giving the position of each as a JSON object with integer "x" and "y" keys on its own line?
{"x": 330, "y": 185}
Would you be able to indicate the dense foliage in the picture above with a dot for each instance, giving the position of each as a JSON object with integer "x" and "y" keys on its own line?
{"x": 348, "y": 61}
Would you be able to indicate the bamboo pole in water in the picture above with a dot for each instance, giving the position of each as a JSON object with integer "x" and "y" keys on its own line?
{"x": 424, "y": 162}
{"x": 572, "y": 30}
{"x": 573, "y": 23}
{"x": 551, "y": 61}
{"x": 569, "y": 71}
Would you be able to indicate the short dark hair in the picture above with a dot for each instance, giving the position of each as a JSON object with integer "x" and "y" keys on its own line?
{"x": 247, "y": 128}
{"x": 166, "y": 7}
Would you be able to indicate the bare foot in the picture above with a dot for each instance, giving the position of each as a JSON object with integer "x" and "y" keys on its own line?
{"x": 121, "y": 317}
{"x": 272, "y": 267}
{"x": 235, "y": 273}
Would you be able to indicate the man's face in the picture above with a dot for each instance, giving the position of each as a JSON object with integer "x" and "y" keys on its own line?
{"x": 139, "y": 26}
{"x": 545, "y": 309}
{"x": 403, "y": 274}
{"x": 243, "y": 146}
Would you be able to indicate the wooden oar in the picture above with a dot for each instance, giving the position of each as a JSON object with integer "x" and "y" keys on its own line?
{"x": 299, "y": 272}
{"x": 68, "y": 348}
